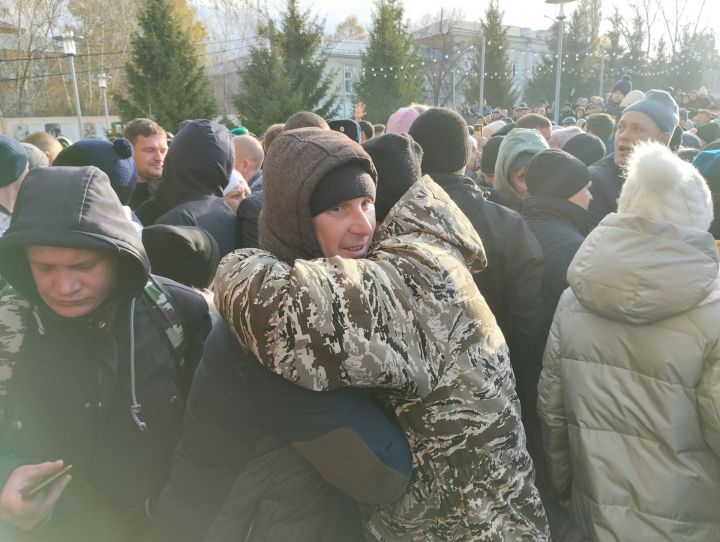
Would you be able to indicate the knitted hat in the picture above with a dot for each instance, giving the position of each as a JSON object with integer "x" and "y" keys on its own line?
{"x": 490, "y": 154}
{"x": 660, "y": 186}
{"x": 690, "y": 140}
{"x": 13, "y": 160}
{"x": 239, "y": 130}
{"x": 588, "y": 148}
{"x": 442, "y": 134}
{"x": 489, "y": 130}
{"x": 632, "y": 97}
{"x": 115, "y": 159}
{"x": 562, "y": 135}
{"x": 556, "y": 174}
{"x": 186, "y": 254}
{"x": 660, "y": 107}
{"x": 708, "y": 132}
{"x": 624, "y": 85}
{"x": 36, "y": 157}
{"x": 400, "y": 121}
{"x": 397, "y": 158}
{"x": 348, "y": 181}
{"x": 708, "y": 164}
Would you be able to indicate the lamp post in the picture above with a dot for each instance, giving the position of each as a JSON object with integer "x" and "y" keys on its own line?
{"x": 68, "y": 44}
{"x": 604, "y": 43}
{"x": 560, "y": 19}
{"x": 482, "y": 74}
{"x": 102, "y": 83}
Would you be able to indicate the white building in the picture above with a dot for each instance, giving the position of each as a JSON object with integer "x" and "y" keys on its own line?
{"x": 344, "y": 65}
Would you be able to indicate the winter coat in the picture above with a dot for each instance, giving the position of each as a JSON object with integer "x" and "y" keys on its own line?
{"x": 197, "y": 168}
{"x": 607, "y": 181}
{"x": 67, "y": 384}
{"x": 511, "y": 284}
{"x": 248, "y": 214}
{"x": 236, "y": 456}
{"x": 630, "y": 391}
{"x": 410, "y": 321}
{"x": 560, "y": 226}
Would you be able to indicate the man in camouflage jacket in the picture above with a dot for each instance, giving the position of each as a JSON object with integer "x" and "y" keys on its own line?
{"x": 409, "y": 320}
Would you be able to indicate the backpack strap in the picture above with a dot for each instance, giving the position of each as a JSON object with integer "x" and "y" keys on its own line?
{"x": 165, "y": 314}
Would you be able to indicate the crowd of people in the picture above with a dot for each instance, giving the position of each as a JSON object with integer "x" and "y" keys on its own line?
{"x": 476, "y": 326}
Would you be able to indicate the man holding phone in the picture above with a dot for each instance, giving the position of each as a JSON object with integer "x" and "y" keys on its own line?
{"x": 96, "y": 356}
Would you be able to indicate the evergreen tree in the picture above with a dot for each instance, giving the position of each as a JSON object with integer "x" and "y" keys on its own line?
{"x": 285, "y": 73}
{"x": 392, "y": 76}
{"x": 635, "y": 60}
{"x": 165, "y": 81}
{"x": 615, "y": 52}
{"x": 498, "y": 90}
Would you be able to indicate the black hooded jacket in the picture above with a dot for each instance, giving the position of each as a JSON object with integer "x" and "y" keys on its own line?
{"x": 607, "y": 181}
{"x": 197, "y": 168}
{"x": 71, "y": 385}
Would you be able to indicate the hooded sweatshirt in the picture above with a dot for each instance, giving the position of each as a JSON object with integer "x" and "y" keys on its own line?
{"x": 517, "y": 142}
{"x": 86, "y": 389}
{"x": 197, "y": 169}
{"x": 410, "y": 321}
{"x": 629, "y": 397}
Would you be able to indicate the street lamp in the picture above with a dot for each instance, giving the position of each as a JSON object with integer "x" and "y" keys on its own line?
{"x": 68, "y": 43}
{"x": 482, "y": 74}
{"x": 604, "y": 43}
{"x": 560, "y": 19}
{"x": 102, "y": 83}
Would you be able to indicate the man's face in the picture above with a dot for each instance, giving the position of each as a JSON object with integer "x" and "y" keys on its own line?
{"x": 149, "y": 152}
{"x": 633, "y": 128}
{"x": 546, "y": 132}
{"x": 346, "y": 229}
{"x": 73, "y": 282}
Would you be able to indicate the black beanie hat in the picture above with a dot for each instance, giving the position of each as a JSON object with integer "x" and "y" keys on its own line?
{"x": 397, "y": 158}
{"x": 348, "y": 181}
{"x": 624, "y": 85}
{"x": 444, "y": 138}
{"x": 186, "y": 254}
{"x": 489, "y": 154}
{"x": 588, "y": 148}
{"x": 709, "y": 132}
{"x": 556, "y": 174}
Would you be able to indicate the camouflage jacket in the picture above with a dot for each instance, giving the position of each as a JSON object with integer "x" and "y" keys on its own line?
{"x": 409, "y": 320}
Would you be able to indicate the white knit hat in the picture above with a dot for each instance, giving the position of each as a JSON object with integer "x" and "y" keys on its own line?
{"x": 632, "y": 97}
{"x": 661, "y": 186}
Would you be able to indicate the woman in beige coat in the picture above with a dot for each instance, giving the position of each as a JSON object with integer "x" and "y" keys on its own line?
{"x": 629, "y": 397}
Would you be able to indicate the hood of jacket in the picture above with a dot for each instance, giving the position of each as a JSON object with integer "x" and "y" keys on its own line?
{"x": 515, "y": 143}
{"x": 426, "y": 212}
{"x": 71, "y": 207}
{"x": 295, "y": 163}
{"x": 198, "y": 164}
{"x": 639, "y": 271}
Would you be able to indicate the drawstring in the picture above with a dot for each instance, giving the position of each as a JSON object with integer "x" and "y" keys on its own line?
{"x": 135, "y": 407}
{"x": 38, "y": 321}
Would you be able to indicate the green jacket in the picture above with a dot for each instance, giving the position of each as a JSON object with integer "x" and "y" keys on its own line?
{"x": 409, "y": 320}
{"x": 629, "y": 397}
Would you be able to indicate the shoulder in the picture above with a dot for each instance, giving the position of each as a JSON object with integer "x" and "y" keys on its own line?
{"x": 15, "y": 314}
{"x": 251, "y": 206}
{"x": 190, "y": 304}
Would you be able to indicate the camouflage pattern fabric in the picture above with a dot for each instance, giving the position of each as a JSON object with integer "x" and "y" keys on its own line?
{"x": 410, "y": 321}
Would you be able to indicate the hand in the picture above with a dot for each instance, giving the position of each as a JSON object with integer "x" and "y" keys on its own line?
{"x": 236, "y": 194}
{"x": 359, "y": 111}
{"x": 28, "y": 513}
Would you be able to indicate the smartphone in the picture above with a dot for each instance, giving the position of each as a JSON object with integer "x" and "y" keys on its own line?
{"x": 32, "y": 490}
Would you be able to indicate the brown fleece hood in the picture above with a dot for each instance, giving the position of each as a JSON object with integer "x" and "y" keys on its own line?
{"x": 295, "y": 163}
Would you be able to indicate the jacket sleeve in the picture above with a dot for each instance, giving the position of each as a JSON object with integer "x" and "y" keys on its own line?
{"x": 708, "y": 398}
{"x": 248, "y": 214}
{"x": 324, "y": 323}
{"x": 551, "y": 411}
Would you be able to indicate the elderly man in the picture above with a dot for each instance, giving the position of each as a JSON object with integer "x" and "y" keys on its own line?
{"x": 95, "y": 357}
{"x": 653, "y": 118}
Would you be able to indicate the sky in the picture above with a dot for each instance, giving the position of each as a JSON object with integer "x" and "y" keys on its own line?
{"x": 526, "y": 13}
